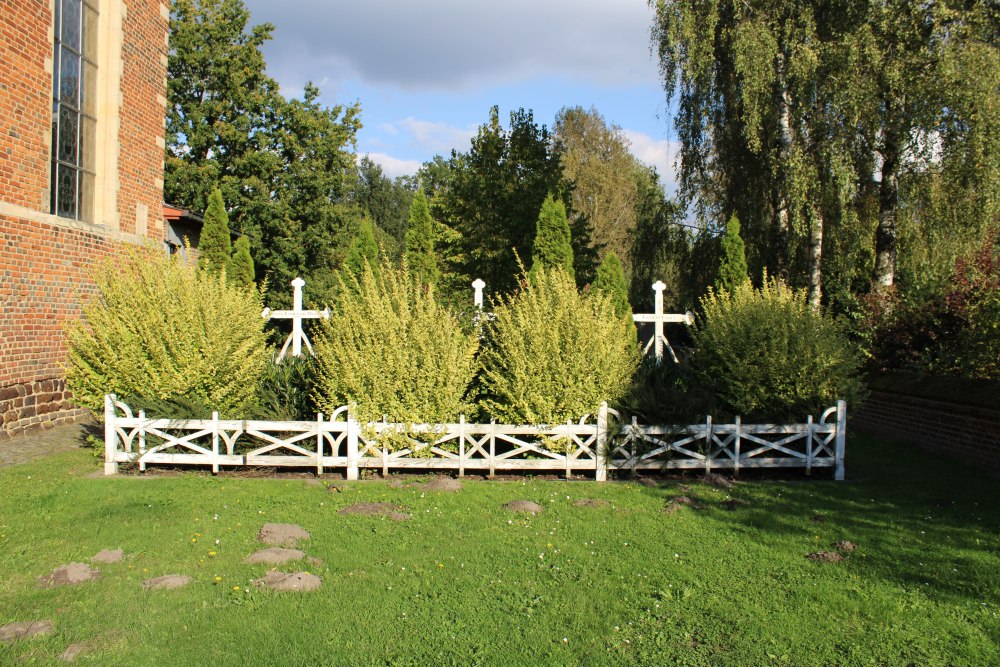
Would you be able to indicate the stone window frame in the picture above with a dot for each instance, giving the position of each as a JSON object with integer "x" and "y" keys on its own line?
{"x": 73, "y": 163}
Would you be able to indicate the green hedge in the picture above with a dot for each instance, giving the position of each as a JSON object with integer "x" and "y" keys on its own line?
{"x": 163, "y": 330}
{"x": 766, "y": 354}
{"x": 553, "y": 354}
{"x": 393, "y": 349}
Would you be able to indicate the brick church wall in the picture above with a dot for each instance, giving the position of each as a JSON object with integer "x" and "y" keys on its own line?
{"x": 45, "y": 259}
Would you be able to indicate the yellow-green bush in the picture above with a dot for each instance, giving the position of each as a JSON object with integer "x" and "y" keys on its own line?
{"x": 393, "y": 349}
{"x": 161, "y": 329}
{"x": 766, "y": 354}
{"x": 553, "y": 354}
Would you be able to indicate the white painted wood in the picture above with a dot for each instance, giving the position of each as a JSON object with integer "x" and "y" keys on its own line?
{"x": 477, "y": 285}
{"x": 841, "y": 440}
{"x": 461, "y": 445}
{"x": 142, "y": 440}
{"x": 572, "y": 447}
{"x": 215, "y": 442}
{"x": 298, "y": 337}
{"x": 110, "y": 436}
{"x": 353, "y": 429}
{"x": 809, "y": 445}
{"x": 319, "y": 443}
{"x": 601, "y": 454}
{"x": 736, "y": 445}
{"x": 658, "y": 318}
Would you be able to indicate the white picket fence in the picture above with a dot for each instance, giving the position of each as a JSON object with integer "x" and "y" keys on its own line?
{"x": 597, "y": 443}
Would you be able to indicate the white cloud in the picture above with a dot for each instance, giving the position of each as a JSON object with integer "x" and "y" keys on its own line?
{"x": 393, "y": 167}
{"x": 455, "y": 44}
{"x": 438, "y": 137}
{"x": 659, "y": 153}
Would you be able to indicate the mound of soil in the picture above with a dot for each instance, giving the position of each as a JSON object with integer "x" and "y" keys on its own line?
{"x": 25, "y": 629}
{"x": 523, "y": 506}
{"x": 647, "y": 481}
{"x": 167, "y": 582}
{"x": 720, "y": 481}
{"x": 73, "y": 651}
{"x": 108, "y": 556}
{"x": 678, "y": 502}
{"x": 845, "y": 546}
{"x": 376, "y": 509}
{"x": 825, "y": 556}
{"x": 70, "y": 574}
{"x": 289, "y": 581}
{"x": 275, "y": 556}
{"x": 442, "y": 484}
{"x": 734, "y": 504}
{"x": 282, "y": 534}
{"x": 591, "y": 502}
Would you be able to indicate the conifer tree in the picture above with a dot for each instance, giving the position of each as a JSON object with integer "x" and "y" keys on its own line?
{"x": 611, "y": 280}
{"x": 553, "y": 244}
{"x": 733, "y": 261}
{"x": 214, "y": 248}
{"x": 363, "y": 251}
{"x": 420, "y": 242}
{"x": 241, "y": 268}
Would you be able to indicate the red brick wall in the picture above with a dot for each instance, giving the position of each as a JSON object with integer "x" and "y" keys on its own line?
{"x": 44, "y": 260}
{"x": 142, "y": 115}
{"x": 25, "y": 103}
{"x": 965, "y": 433}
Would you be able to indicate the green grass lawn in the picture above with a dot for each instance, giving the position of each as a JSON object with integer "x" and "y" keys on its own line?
{"x": 468, "y": 582}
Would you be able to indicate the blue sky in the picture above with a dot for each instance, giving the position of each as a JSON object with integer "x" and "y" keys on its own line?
{"x": 426, "y": 72}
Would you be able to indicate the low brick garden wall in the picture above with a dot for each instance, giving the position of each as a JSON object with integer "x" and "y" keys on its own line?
{"x": 967, "y": 432}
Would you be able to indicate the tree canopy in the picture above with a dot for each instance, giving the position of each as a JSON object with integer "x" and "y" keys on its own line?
{"x": 285, "y": 166}
{"x": 832, "y": 129}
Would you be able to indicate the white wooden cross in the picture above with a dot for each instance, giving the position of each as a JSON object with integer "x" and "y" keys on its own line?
{"x": 658, "y": 317}
{"x": 478, "y": 286}
{"x": 296, "y": 315}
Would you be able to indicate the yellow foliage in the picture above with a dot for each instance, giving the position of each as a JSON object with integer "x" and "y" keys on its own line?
{"x": 554, "y": 354}
{"x": 394, "y": 350}
{"x": 160, "y": 329}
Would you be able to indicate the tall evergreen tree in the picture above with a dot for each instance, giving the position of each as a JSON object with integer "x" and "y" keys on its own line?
{"x": 215, "y": 246}
{"x": 386, "y": 201}
{"x": 611, "y": 280}
{"x": 732, "y": 260}
{"x": 420, "y": 242}
{"x": 241, "y": 270}
{"x": 492, "y": 194}
{"x": 363, "y": 251}
{"x": 285, "y": 167}
{"x": 553, "y": 246}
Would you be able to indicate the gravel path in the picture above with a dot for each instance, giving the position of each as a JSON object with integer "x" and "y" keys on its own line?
{"x": 40, "y": 443}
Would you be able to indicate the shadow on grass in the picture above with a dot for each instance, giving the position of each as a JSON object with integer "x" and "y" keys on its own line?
{"x": 919, "y": 521}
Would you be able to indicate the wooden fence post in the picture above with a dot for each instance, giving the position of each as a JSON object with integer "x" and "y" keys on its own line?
{"x": 708, "y": 444}
{"x": 493, "y": 447}
{"x": 461, "y": 446}
{"x": 215, "y": 442}
{"x": 319, "y": 443}
{"x": 601, "y": 451}
{"x": 353, "y": 429}
{"x": 841, "y": 440}
{"x": 110, "y": 436}
{"x": 142, "y": 439}
{"x": 809, "y": 445}
{"x": 737, "y": 445}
